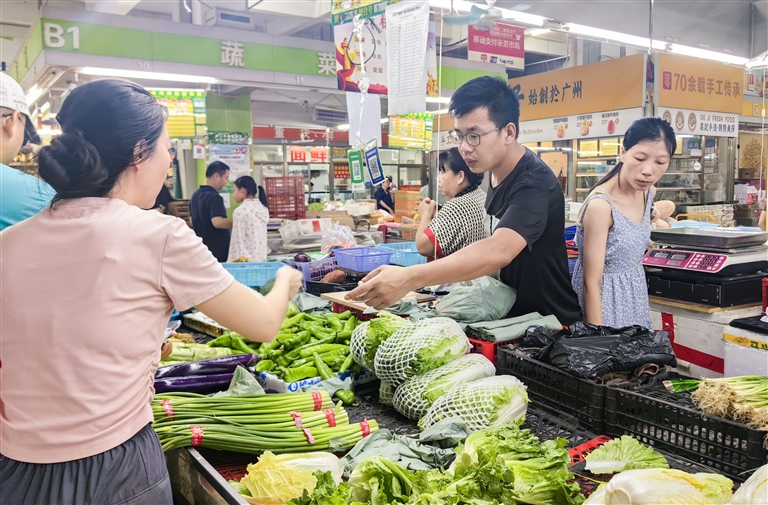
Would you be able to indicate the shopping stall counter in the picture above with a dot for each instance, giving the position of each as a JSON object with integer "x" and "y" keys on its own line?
{"x": 199, "y": 476}
{"x": 311, "y": 243}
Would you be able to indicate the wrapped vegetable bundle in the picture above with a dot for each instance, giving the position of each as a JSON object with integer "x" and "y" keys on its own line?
{"x": 184, "y": 353}
{"x": 414, "y": 397}
{"x": 367, "y": 337}
{"x": 663, "y": 486}
{"x": 285, "y": 423}
{"x": 419, "y": 348}
{"x": 484, "y": 403}
{"x": 386, "y": 393}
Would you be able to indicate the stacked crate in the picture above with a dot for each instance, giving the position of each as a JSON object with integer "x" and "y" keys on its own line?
{"x": 286, "y": 197}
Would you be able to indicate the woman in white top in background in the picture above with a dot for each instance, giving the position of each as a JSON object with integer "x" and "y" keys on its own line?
{"x": 249, "y": 222}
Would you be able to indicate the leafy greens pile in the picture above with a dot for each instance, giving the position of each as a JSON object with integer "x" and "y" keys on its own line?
{"x": 504, "y": 465}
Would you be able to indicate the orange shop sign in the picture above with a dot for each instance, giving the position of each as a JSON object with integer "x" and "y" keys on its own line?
{"x": 610, "y": 85}
{"x": 692, "y": 83}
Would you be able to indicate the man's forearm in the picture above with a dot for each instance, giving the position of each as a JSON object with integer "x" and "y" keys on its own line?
{"x": 476, "y": 260}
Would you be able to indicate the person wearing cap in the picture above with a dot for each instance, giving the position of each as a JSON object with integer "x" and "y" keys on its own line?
{"x": 21, "y": 195}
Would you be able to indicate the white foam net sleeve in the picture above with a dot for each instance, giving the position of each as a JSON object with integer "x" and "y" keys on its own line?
{"x": 419, "y": 348}
{"x": 386, "y": 392}
{"x": 414, "y": 397}
{"x": 357, "y": 345}
{"x": 484, "y": 403}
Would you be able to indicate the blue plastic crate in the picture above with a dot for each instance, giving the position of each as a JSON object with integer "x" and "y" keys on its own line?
{"x": 314, "y": 270}
{"x": 253, "y": 275}
{"x": 570, "y": 233}
{"x": 362, "y": 259}
{"x": 406, "y": 254}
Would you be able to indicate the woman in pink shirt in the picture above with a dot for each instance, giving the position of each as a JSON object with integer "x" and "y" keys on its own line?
{"x": 88, "y": 287}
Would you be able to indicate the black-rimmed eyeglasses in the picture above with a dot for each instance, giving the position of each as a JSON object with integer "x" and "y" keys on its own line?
{"x": 472, "y": 139}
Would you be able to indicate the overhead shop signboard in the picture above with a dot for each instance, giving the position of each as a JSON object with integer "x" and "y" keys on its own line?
{"x": 697, "y": 84}
{"x": 345, "y": 10}
{"x": 411, "y": 131}
{"x": 579, "y": 126}
{"x": 697, "y": 122}
{"x": 503, "y": 43}
{"x": 607, "y": 86}
{"x": 186, "y": 111}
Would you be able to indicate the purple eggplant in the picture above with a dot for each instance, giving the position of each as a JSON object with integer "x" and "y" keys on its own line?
{"x": 202, "y": 384}
{"x": 212, "y": 366}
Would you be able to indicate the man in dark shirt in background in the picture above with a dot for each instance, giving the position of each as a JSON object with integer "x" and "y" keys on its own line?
{"x": 209, "y": 216}
{"x": 527, "y": 211}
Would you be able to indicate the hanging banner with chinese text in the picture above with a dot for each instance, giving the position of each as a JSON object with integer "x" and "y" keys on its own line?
{"x": 407, "y": 41}
{"x": 606, "y": 86}
{"x": 696, "y": 122}
{"x": 595, "y": 125}
{"x": 186, "y": 112}
{"x": 503, "y": 43}
{"x": 698, "y": 84}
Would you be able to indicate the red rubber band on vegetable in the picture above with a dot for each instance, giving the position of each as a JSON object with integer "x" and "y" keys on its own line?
{"x": 296, "y": 419}
{"x": 309, "y": 436}
{"x": 318, "y": 399}
{"x": 331, "y": 416}
{"x": 197, "y": 435}
{"x": 366, "y": 428}
{"x": 168, "y": 408}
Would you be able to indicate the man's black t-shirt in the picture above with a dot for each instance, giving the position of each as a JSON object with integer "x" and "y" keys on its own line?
{"x": 530, "y": 202}
{"x": 383, "y": 196}
{"x": 206, "y": 203}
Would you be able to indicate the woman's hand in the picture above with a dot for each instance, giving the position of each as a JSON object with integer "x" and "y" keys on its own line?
{"x": 166, "y": 350}
{"x": 292, "y": 279}
{"x": 427, "y": 208}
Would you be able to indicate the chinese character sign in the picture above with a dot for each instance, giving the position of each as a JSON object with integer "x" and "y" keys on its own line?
{"x": 691, "y": 122}
{"x": 232, "y": 53}
{"x": 502, "y": 43}
{"x": 326, "y": 64}
{"x": 697, "y": 84}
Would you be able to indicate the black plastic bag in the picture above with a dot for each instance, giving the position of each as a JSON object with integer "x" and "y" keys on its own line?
{"x": 608, "y": 350}
{"x": 539, "y": 336}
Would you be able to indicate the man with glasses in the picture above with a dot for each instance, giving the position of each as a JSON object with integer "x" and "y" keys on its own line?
{"x": 21, "y": 195}
{"x": 527, "y": 207}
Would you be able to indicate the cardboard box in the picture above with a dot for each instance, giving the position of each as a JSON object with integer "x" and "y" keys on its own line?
{"x": 748, "y": 173}
{"x": 339, "y": 216}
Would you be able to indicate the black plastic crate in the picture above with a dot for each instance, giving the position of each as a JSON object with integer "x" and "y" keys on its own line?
{"x": 547, "y": 424}
{"x": 551, "y": 387}
{"x": 672, "y": 422}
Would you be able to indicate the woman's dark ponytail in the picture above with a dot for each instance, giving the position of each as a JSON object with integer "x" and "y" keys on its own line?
{"x": 107, "y": 126}
{"x": 263, "y": 197}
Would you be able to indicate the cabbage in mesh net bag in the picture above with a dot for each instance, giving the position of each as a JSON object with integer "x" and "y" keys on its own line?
{"x": 418, "y": 348}
{"x": 386, "y": 392}
{"x": 367, "y": 337}
{"x": 414, "y": 397}
{"x": 484, "y": 403}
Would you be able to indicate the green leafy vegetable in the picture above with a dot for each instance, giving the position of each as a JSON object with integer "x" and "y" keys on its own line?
{"x": 624, "y": 453}
{"x": 326, "y": 492}
{"x": 754, "y": 491}
{"x": 379, "y": 481}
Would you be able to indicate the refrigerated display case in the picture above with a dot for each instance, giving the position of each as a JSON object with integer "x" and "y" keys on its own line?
{"x": 594, "y": 159}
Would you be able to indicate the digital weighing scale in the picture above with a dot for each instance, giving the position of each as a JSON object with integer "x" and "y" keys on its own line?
{"x": 719, "y": 267}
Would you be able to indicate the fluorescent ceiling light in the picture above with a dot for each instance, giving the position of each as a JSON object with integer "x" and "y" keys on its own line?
{"x": 707, "y": 54}
{"x": 597, "y": 33}
{"x": 34, "y": 93}
{"x": 438, "y": 99}
{"x": 137, "y": 74}
{"x": 384, "y": 120}
{"x": 442, "y": 111}
{"x": 343, "y": 127}
{"x": 538, "y": 31}
{"x": 464, "y": 6}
